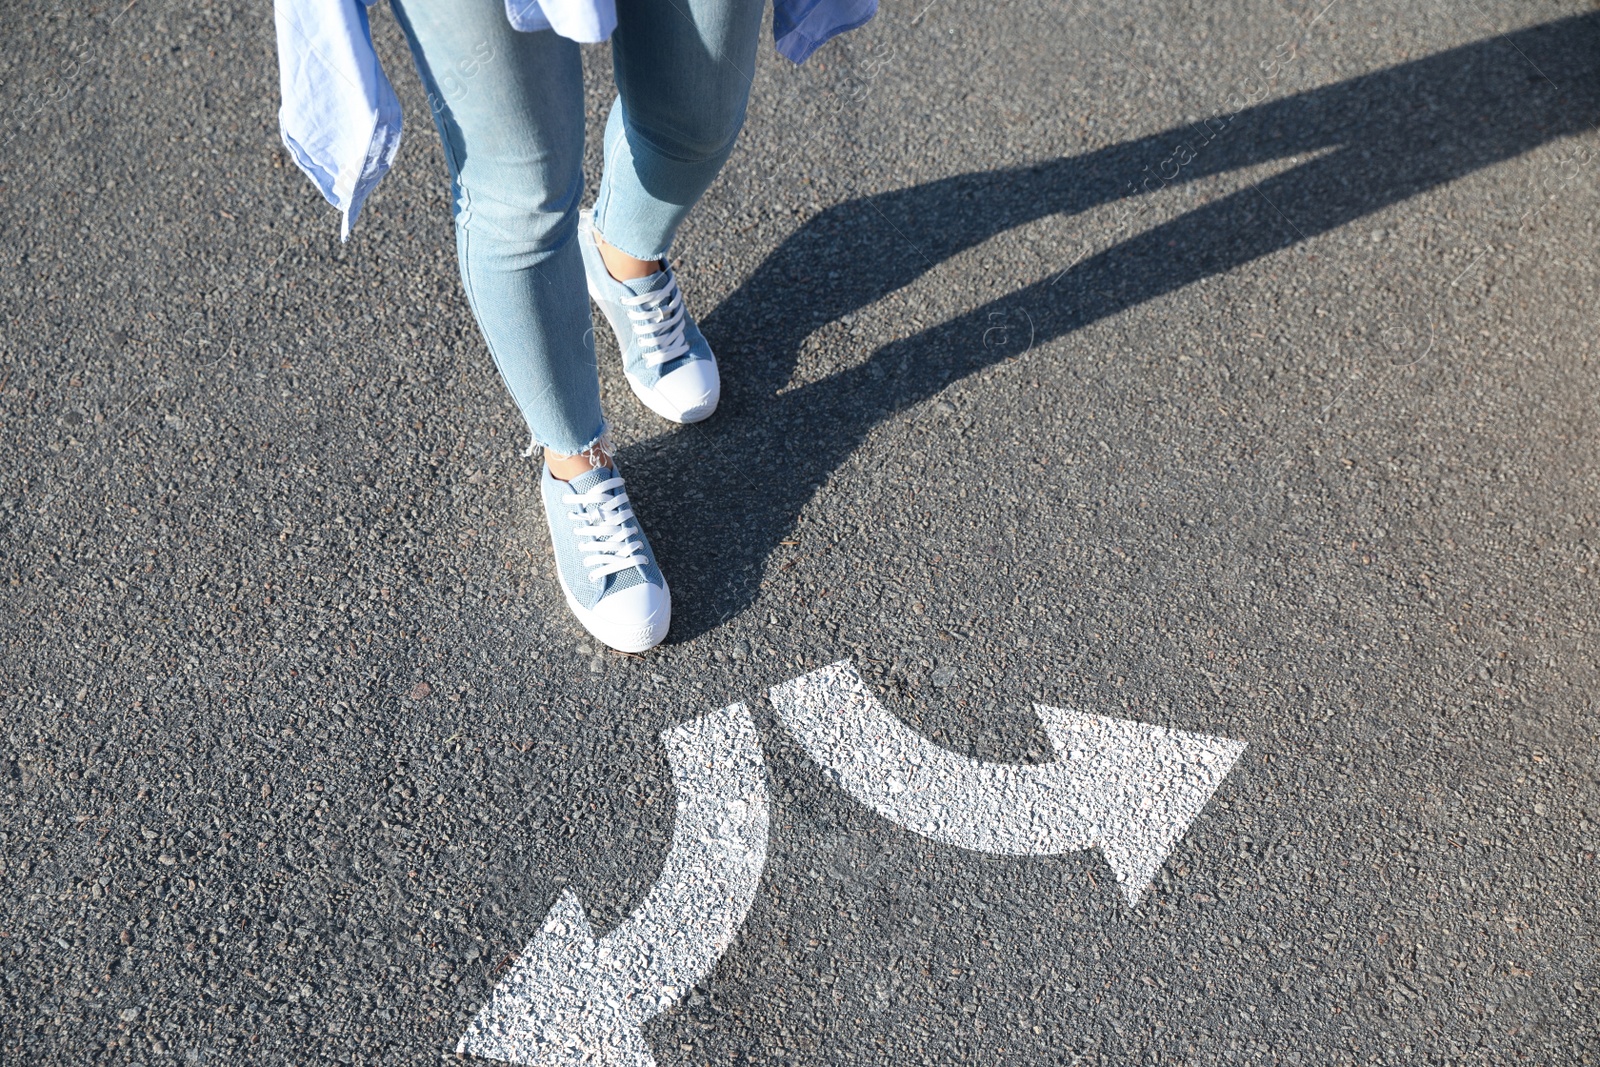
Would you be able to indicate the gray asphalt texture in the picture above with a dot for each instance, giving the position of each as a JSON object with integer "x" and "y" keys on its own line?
{"x": 1298, "y": 447}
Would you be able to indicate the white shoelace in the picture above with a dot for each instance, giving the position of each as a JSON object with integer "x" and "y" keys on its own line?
{"x": 606, "y": 529}
{"x": 658, "y": 322}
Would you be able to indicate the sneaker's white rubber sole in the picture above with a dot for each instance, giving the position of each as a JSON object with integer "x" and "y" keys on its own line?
{"x": 696, "y": 410}
{"x": 629, "y": 635}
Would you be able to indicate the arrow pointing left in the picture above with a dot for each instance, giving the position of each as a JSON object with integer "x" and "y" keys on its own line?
{"x": 574, "y": 999}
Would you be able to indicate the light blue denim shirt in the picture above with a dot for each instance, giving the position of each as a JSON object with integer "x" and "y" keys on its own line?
{"x": 340, "y": 118}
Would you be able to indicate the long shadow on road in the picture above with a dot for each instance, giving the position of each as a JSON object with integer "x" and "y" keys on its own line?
{"x": 727, "y": 492}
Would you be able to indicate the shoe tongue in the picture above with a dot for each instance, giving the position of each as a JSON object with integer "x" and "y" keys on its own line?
{"x": 648, "y": 284}
{"x": 589, "y": 479}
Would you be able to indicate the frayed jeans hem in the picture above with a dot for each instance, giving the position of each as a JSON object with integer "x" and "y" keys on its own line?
{"x": 537, "y": 446}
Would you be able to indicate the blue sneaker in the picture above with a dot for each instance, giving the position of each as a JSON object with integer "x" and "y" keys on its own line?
{"x": 664, "y": 355}
{"x": 604, "y": 562}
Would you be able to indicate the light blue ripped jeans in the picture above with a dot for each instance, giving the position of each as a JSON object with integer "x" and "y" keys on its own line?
{"x": 509, "y": 108}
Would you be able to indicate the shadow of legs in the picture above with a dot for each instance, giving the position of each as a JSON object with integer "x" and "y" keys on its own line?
{"x": 720, "y": 496}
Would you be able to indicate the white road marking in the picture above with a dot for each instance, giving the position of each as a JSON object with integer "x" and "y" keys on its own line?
{"x": 571, "y": 999}
{"x": 1128, "y": 788}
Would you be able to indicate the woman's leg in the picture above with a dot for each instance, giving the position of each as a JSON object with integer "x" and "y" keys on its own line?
{"x": 509, "y": 108}
{"x": 683, "y": 72}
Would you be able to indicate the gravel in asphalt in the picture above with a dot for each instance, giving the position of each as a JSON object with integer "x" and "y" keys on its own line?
{"x": 1229, "y": 367}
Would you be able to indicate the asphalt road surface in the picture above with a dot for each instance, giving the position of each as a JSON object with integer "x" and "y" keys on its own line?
{"x": 1229, "y": 367}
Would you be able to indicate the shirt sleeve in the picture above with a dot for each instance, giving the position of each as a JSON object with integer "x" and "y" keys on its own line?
{"x": 800, "y": 27}
{"x": 339, "y": 117}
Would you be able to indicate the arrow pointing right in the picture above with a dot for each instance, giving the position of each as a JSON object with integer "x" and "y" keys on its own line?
{"x": 1128, "y": 788}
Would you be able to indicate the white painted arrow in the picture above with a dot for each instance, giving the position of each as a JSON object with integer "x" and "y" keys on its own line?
{"x": 1128, "y": 788}
{"x": 571, "y": 999}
